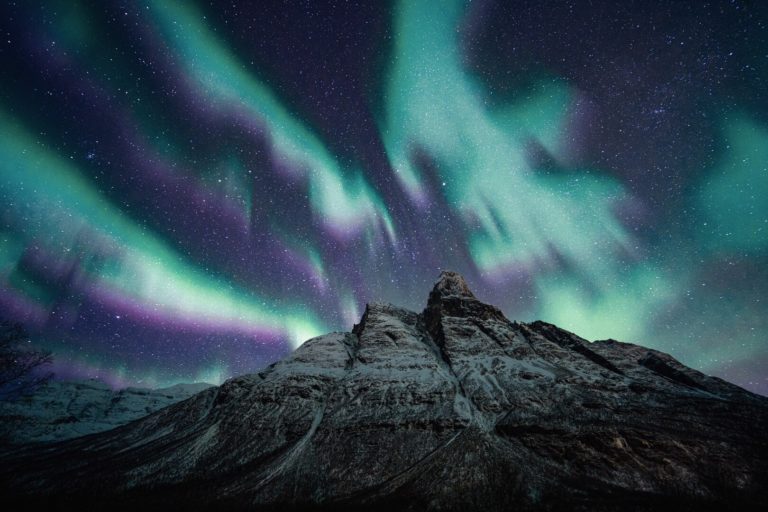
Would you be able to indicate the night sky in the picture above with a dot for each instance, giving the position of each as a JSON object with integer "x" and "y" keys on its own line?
{"x": 192, "y": 189}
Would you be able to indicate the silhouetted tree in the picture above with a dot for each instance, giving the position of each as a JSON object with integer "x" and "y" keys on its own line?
{"x": 18, "y": 363}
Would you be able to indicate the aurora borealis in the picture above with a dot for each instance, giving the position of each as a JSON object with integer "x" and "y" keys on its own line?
{"x": 192, "y": 189}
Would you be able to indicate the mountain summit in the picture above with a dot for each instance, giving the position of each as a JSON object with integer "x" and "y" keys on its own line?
{"x": 453, "y": 408}
{"x": 451, "y": 283}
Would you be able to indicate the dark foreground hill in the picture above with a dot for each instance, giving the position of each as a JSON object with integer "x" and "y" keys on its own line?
{"x": 455, "y": 408}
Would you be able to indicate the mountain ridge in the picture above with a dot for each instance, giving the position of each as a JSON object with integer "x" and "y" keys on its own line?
{"x": 60, "y": 410}
{"x": 453, "y": 408}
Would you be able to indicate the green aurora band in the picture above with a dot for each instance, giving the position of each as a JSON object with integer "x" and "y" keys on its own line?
{"x": 514, "y": 217}
{"x": 138, "y": 268}
{"x": 341, "y": 199}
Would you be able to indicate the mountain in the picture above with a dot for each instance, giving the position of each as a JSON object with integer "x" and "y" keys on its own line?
{"x": 62, "y": 410}
{"x": 454, "y": 408}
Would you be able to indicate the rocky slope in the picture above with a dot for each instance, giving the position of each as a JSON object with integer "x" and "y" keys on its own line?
{"x": 456, "y": 408}
{"x": 62, "y": 410}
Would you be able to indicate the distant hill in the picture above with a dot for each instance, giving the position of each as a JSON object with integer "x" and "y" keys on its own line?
{"x": 63, "y": 410}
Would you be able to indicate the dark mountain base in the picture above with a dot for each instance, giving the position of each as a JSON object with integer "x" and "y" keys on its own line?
{"x": 188, "y": 498}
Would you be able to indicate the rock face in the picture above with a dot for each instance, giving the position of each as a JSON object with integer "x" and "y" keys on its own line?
{"x": 62, "y": 410}
{"x": 456, "y": 408}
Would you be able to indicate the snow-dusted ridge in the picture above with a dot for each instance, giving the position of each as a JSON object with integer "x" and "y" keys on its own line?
{"x": 454, "y": 408}
{"x": 61, "y": 410}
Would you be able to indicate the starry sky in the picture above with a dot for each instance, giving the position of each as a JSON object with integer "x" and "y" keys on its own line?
{"x": 192, "y": 189}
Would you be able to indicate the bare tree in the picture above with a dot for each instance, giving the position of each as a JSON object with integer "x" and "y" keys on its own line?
{"x": 19, "y": 365}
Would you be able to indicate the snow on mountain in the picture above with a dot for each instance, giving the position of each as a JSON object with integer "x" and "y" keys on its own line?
{"x": 62, "y": 410}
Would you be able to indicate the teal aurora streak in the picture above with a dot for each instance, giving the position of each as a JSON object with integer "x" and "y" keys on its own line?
{"x": 180, "y": 215}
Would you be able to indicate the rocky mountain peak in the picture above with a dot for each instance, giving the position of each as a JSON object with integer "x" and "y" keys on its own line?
{"x": 452, "y": 298}
{"x": 375, "y": 311}
{"x": 451, "y": 284}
